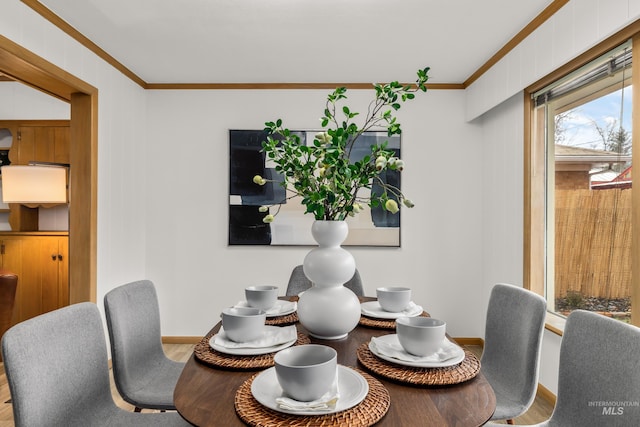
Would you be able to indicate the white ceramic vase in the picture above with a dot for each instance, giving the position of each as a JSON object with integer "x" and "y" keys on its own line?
{"x": 329, "y": 310}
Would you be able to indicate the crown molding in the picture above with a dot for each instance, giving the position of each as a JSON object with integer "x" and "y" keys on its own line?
{"x": 282, "y": 86}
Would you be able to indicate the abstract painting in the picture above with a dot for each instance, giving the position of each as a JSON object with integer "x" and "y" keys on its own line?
{"x": 371, "y": 227}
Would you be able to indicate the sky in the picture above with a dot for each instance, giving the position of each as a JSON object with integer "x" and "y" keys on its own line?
{"x": 579, "y": 128}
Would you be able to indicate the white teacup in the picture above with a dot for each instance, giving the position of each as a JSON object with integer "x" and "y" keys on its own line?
{"x": 394, "y": 298}
{"x": 306, "y": 372}
{"x": 242, "y": 324}
{"x": 420, "y": 336}
{"x": 261, "y": 296}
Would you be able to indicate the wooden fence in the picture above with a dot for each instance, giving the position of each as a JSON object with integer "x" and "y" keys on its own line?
{"x": 593, "y": 243}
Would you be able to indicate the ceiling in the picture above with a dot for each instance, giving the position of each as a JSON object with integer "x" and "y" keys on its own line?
{"x": 298, "y": 41}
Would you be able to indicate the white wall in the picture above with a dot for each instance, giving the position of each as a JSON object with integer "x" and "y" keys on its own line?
{"x": 502, "y": 197}
{"x": 187, "y": 162}
{"x": 121, "y": 136}
{"x": 495, "y": 102}
{"x": 17, "y": 99}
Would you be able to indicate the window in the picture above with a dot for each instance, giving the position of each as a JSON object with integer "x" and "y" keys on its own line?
{"x": 579, "y": 188}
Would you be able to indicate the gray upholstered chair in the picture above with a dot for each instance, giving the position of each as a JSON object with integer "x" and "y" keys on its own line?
{"x": 58, "y": 373}
{"x": 599, "y": 378}
{"x": 298, "y": 282}
{"x": 144, "y": 376}
{"x": 513, "y": 338}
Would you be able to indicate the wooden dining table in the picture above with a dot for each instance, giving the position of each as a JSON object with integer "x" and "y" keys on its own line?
{"x": 204, "y": 394}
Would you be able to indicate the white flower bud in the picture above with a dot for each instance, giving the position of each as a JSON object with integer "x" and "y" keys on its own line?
{"x": 391, "y": 206}
{"x": 268, "y": 219}
{"x": 323, "y": 137}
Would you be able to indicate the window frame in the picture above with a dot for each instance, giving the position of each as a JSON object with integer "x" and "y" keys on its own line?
{"x": 534, "y": 176}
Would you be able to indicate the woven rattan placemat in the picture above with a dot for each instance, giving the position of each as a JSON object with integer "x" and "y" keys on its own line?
{"x": 204, "y": 353}
{"x": 366, "y": 413}
{"x": 288, "y": 319}
{"x": 464, "y": 371}
{"x": 371, "y": 322}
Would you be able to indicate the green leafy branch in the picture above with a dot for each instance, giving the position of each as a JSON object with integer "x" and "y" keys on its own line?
{"x": 322, "y": 174}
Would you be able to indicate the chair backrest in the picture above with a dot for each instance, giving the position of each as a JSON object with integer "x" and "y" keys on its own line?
{"x": 513, "y": 338}
{"x": 8, "y": 286}
{"x": 599, "y": 379}
{"x": 56, "y": 366}
{"x": 133, "y": 319}
{"x": 298, "y": 282}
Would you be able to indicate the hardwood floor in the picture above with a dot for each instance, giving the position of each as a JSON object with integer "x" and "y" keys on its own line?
{"x": 540, "y": 411}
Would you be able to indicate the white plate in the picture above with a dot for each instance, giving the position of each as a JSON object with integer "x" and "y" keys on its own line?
{"x": 293, "y": 306}
{"x": 285, "y": 312}
{"x": 248, "y": 351}
{"x": 373, "y": 309}
{"x": 352, "y": 386}
{"x": 393, "y": 339}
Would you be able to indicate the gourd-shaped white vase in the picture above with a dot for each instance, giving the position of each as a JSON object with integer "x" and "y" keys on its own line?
{"x": 329, "y": 310}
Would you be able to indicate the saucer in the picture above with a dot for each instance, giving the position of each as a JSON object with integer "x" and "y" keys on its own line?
{"x": 392, "y": 340}
{"x": 373, "y": 309}
{"x": 352, "y": 386}
{"x": 250, "y": 351}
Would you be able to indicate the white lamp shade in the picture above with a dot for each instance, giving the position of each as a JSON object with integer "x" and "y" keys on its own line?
{"x": 34, "y": 184}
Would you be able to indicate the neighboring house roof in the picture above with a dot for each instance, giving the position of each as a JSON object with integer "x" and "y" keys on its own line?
{"x": 625, "y": 175}
{"x": 597, "y": 162}
{"x": 568, "y": 154}
{"x": 612, "y": 179}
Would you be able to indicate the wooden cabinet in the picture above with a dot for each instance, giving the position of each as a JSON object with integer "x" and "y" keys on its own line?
{"x": 41, "y": 262}
{"x": 38, "y": 140}
{"x": 41, "y": 144}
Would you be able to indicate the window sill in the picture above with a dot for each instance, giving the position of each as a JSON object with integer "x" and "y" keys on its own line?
{"x": 555, "y": 323}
